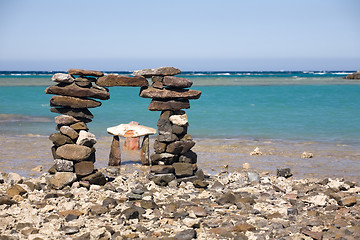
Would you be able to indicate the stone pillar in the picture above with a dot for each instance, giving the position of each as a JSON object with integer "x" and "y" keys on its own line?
{"x": 173, "y": 157}
{"x": 73, "y": 148}
{"x": 115, "y": 152}
{"x": 145, "y": 151}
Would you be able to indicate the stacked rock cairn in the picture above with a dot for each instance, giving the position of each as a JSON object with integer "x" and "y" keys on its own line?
{"x": 73, "y": 150}
{"x": 173, "y": 160}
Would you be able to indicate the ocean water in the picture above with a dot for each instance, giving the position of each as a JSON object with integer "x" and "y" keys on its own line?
{"x": 283, "y": 113}
{"x": 305, "y": 106}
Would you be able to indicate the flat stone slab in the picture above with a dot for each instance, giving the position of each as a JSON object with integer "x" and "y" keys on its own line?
{"x": 74, "y": 90}
{"x": 161, "y": 71}
{"x": 74, "y": 152}
{"x": 163, "y": 105}
{"x": 131, "y": 130}
{"x": 113, "y": 80}
{"x": 65, "y": 120}
{"x": 176, "y": 82}
{"x": 73, "y": 102}
{"x": 151, "y": 92}
{"x": 78, "y": 113}
{"x": 82, "y": 72}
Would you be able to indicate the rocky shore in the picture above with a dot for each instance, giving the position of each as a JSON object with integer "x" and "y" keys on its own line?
{"x": 236, "y": 205}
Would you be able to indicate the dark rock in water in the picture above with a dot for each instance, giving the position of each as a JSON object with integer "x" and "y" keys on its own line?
{"x": 183, "y": 169}
{"x": 62, "y": 165}
{"x": 70, "y": 132}
{"x": 81, "y": 113}
{"x": 84, "y": 168}
{"x": 97, "y": 178}
{"x": 62, "y": 78}
{"x": 177, "y": 82}
{"x": 163, "y": 179}
{"x": 74, "y": 152}
{"x": 112, "y": 80}
{"x": 150, "y": 92}
{"x": 161, "y": 71}
{"x": 65, "y": 120}
{"x": 79, "y": 126}
{"x": 82, "y": 72}
{"x": 167, "y": 137}
{"x": 283, "y": 172}
{"x": 76, "y": 91}
{"x": 73, "y": 102}
{"x": 355, "y": 75}
{"x": 166, "y": 158}
{"x": 161, "y": 169}
{"x": 159, "y": 147}
{"x": 186, "y": 235}
{"x": 162, "y": 105}
{"x": 59, "y": 139}
{"x": 188, "y": 157}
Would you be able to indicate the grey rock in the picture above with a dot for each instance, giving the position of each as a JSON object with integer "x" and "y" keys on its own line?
{"x": 98, "y": 209}
{"x": 61, "y": 179}
{"x": 76, "y": 91}
{"x": 159, "y": 147}
{"x": 163, "y": 179}
{"x": 186, "y": 235}
{"x": 167, "y": 137}
{"x": 73, "y": 102}
{"x": 86, "y": 139}
{"x": 74, "y": 152}
{"x": 283, "y": 172}
{"x": 70, "y": 132}
{"x": 65, "y": 120}
{"x": 6, "y": 200}
{"x": 59, "y": 139}
{"x": 82, "y": 72}
{"x": 188, "y": 157}
{"x": 183, "y": 169}
{"x": 161, "y": 169}
{"x": 177, "y": 82}
{"x": 253, "y": 177}
{"x": 161, "y": 71}
{"x": 62, "y": 165}
{"x": 166, "y": 158}
{"x": 97, "y": 178}
{"x": 77, "y": 113}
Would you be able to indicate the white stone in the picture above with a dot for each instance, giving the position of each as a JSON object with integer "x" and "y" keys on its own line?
{"x": 256, "y": 152}
{"x": 180, "y": 120}
{"x": 319, "y": 200}
{"x": 86, "y": 139}
{"x": 307, "y": 155}
{"x": 13, "y": 178}
{"x": 62, "y": 77}
{"x": 246, "y": 166}
{"x": 191, "y": 222}
{"x": 335, "y": 184}
{"x": 131, "y": 130}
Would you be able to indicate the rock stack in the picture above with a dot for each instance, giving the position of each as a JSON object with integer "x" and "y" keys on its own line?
{"x": 173, "y": 158}
{"x": 73, "y": 149}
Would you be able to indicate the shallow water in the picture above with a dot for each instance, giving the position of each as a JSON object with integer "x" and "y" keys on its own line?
{"x": 22, "y": 153}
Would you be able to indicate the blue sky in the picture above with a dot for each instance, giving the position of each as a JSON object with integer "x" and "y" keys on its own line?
{"x": 191, "y": 35}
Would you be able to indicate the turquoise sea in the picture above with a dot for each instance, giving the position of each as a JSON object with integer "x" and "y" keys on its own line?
{"x": 318, "y": 106}
{"x": 282, "y": 113}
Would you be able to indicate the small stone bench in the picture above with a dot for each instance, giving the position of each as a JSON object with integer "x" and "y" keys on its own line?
{"x": 129, "y": 130}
